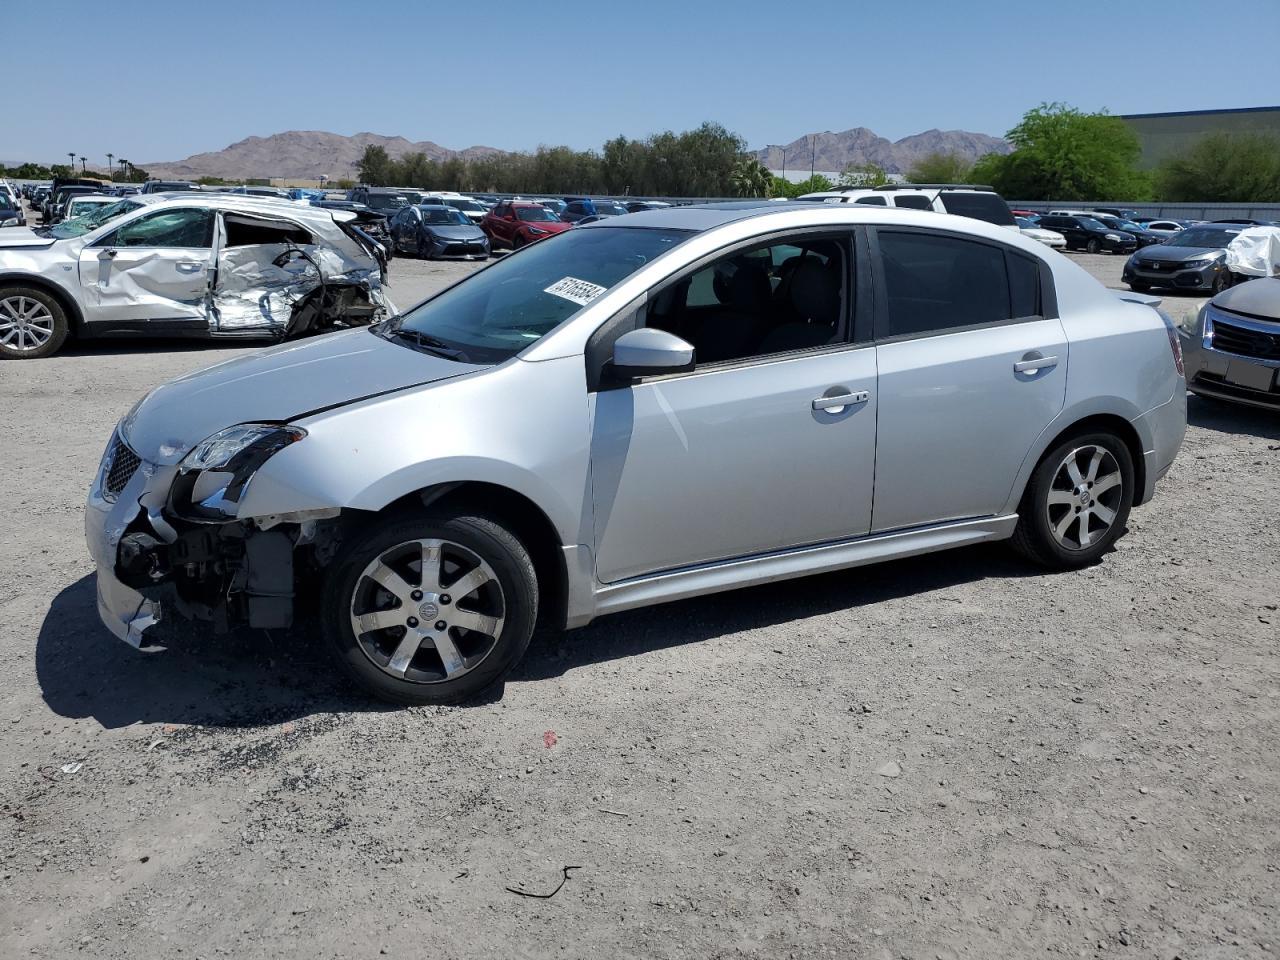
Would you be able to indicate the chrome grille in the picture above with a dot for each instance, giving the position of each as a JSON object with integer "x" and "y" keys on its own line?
{"x": 1245, "y": 342}
{"x": 122, "y": 463}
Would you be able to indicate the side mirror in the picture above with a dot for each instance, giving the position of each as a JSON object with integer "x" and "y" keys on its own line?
{"x": 649, "y": 352}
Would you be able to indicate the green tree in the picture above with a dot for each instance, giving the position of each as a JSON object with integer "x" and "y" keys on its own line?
{"x": 375, "y": 166}
{"x": 751, "y": 178}
{"x": 940, "y": 167}
{"x": 1224, "y": 168}
{"x": 1061, "y": 153}
{"x": 863, "y": 175}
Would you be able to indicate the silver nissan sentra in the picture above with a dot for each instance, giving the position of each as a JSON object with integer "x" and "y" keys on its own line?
{"x": 652, "y": 407}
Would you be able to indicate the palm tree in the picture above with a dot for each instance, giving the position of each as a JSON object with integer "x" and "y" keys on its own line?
{"x": 111, "y": 169}
{"x": 751, "y": 178}
{"x": 72, "y": 155}
{"x": 83, "y": 167}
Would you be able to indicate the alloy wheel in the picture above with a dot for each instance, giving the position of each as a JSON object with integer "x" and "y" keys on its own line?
{"x": 25, "y": 324}
{"x": 1085, "y": 497}
{"x": 427, "y": 611}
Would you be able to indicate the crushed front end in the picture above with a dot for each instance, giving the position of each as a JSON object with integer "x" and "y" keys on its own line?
{"x": 165, "y": 537}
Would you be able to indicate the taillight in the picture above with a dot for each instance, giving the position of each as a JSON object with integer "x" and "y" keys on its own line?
{"x": 1174, "y": 343}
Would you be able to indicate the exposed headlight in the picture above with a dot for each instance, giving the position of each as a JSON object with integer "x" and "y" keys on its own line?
{"x": 1114, "y": 236}
{"x": 11, "y": 222}
{"x": 1205, "y": 258}
{"x": 1189, "y": 323}
{"x": 213, "y": 475}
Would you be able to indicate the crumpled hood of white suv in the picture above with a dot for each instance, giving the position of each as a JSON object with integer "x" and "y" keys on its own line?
{"x": 277, "y": 385}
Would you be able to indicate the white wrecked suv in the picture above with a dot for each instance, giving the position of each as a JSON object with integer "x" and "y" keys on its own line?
{"x": 644, "y": 409}
{"x": 205, "y": 265}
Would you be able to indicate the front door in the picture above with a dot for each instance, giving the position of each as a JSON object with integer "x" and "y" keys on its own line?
{"x": 768, "y": 443}
{"x": 971, "y": 373}
{"x": 154, "y": 268}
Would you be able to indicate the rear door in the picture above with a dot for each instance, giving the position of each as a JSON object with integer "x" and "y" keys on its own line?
{"x": 972, "y": 369}
{"x": 154, "y": 269}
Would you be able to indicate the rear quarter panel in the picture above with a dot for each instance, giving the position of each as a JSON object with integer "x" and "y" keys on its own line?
{"x": 1119, "y": 361}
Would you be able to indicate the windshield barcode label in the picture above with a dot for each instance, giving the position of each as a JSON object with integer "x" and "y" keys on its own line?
{"x": 575, "y": 290}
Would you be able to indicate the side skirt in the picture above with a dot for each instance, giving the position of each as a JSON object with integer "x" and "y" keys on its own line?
{"x": 798, "y": 562}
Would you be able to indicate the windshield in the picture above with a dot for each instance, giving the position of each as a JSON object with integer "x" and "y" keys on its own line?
{"x": 91, "y": 220}
{"x": 535, "y": 214}
{"x": 466, "y": 205}
{"x": 443, "y": 215}
{"x": 1126, "y": 225}
{"x": 610, "y": 209}
{"x": 386, "y": 201}
{"x": 78, "y": 208}
{"x": 1089, "y": 223}
{"x": 1207, "y": 237}
{"x": 1024, "y": 223}
{"x": 500, "y": 310}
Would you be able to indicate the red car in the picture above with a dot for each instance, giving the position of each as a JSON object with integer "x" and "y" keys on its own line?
{"x": 513, "y": 223}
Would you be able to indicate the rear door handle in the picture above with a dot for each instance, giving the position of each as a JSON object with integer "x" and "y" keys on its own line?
{"x": 841, "y": 400}
{"x": 1033, "y": 362}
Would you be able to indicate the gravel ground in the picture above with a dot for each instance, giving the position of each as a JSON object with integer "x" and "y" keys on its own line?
{"x": 950, "y": 756}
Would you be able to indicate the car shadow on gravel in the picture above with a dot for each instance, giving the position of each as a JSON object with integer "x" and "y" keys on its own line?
{"x": 247, "y": 678}
{"x": 252, "y": 678}
{"x": 774, "y": 605}
{"x": 1227, "y": 417}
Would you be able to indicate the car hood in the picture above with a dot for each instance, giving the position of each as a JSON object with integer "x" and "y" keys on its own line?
{"x": 277, "y": 385}
{"x": 455, "y": 231}
{"x": 1257, "y": 298}
{"x": 23, "y": 237}
{"x": 1167, "y": 254}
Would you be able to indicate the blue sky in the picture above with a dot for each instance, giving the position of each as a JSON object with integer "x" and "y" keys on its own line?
{"x": 162, "y": 80}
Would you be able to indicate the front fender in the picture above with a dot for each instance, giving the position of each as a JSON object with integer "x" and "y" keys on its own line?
{"x": 521, "y": 425}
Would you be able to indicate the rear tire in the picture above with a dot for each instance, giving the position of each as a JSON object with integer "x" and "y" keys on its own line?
{"x": 444, "y": 661}
{"x": 1074, "y": 507}
{"x": 33, "y": 323}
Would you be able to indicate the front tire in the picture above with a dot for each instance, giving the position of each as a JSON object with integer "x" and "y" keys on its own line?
{"x": 1077, "y": 502}
{"x": 1093, "y": 246}
{"x": 1138, "y": 287}
{"x": 33, "y": 324}
{"x": 430, "y": 609}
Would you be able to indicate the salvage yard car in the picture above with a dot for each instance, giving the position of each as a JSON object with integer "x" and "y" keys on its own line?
{"x": 210, "y": 265}
{"x": 648, "y": 408}
{"x": 1193, "y": 259}
{"x": 437, "y": 232}
{"x": 1233, "y": 345}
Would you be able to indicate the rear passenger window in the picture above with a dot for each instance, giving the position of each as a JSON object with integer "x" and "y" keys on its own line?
{"x": 874, "y": 201}
{"x": 1024, "y": 286}
{"x": 939, "y": 283}
{"x": 913, "y": 202}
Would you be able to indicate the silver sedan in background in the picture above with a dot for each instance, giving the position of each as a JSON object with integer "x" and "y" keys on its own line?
{"x": 648, "y": 408}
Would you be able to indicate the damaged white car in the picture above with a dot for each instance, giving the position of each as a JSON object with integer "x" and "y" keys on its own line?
{"x": 187, "y": 265}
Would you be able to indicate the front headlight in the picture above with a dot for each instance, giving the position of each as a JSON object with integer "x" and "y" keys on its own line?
{"x": 537, "y": 230}
{"x": 1114, "y": 236}
{"x": 1204, "y": 258}
{"x": 213, "y": 475}
{"x": 11, "y": 222}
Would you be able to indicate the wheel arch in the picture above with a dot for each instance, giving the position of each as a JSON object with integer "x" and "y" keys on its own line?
{"x": 1102, "y": 420}
{"x": 519, "y": 514}
{"x": 67, "y": 302}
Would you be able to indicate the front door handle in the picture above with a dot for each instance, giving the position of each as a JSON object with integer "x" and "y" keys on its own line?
{"x": 839, "y": 401}
{"x": 190, "y": 266}
{"x": 1033, "y": 362}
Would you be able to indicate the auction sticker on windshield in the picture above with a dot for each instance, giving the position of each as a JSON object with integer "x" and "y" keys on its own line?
{"x": 575, "y": 290}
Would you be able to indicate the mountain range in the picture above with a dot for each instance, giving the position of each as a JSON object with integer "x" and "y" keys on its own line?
{"x": 307, "y": 154}
{"x": 299, "y": 155}
{"x": 833, "y": 152}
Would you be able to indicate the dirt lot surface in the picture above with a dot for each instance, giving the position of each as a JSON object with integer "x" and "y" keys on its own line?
{"x": 953, "y": 756}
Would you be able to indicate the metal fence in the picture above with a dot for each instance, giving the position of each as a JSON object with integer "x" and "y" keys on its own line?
{"x": 1173, "y": 211}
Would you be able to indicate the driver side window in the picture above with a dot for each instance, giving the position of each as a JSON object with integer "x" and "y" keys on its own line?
{"x": 164, "y": 228}
{"x": 783, "y": 296}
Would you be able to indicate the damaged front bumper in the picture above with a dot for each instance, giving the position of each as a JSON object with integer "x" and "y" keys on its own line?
{"x": 152, "y": 563}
